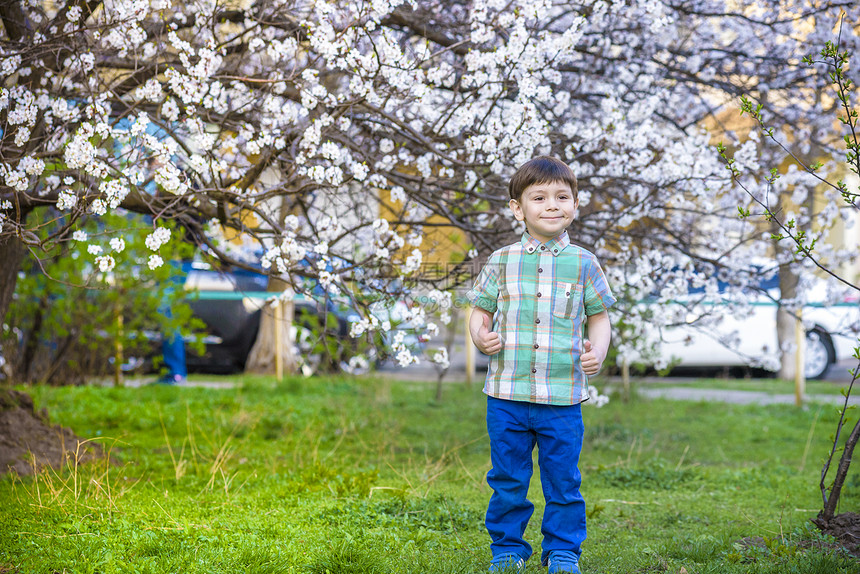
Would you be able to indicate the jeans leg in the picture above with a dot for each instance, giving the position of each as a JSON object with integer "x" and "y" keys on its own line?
{"x": 559, "y": 440}
{"x": 511, "y": 445}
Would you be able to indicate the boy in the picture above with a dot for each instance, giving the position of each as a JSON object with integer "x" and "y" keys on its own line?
{"x": 540, "y": 290}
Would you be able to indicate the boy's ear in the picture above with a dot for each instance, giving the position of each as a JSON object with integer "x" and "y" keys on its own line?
{"x": 517, "y": 209}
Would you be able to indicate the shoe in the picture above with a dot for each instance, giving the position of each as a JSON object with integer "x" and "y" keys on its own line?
{"x": 508, "y": 563}
{"x": 172, "y": 380}
{"x": 563, "y": 562}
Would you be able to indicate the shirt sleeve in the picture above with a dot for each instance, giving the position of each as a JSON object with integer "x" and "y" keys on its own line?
{"x": 485, "y": 291}
{"x": 598, "y": 296}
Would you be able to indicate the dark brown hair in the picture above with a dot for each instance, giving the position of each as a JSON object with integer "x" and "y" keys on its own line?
{"x": 542, "y": 169}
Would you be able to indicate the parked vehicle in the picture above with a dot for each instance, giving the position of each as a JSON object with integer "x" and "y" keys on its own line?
{"x": 831, "y": 331}
{"x": 230, "y": 305}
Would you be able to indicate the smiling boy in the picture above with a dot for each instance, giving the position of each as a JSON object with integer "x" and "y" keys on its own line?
{"x": 530, "y": 302}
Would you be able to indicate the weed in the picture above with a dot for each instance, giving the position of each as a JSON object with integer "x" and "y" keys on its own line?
{"x": 82, "y": 479}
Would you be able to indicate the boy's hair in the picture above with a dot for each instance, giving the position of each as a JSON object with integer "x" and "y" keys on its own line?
{"x": 542, "y": 169}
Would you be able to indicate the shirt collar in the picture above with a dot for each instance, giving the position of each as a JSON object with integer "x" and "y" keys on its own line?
{"x": 555, "y": 245}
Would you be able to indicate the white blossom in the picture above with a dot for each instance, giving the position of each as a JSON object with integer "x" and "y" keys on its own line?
{"x": 17, "y": 179}
{"x": 413, "y": 262}
{"x": 73, "y": 13}
{"x": 360, "y": 141}
{"x": 98, "y": 207}
{"x": 66, "y": 201}
{"x": 157, "y": 238}
{"x": 31, "y": 165}
{"x": 105, "y": 263}
{"x": 169, "y": 110}
{"x": 114, "y": 191}
{"x": 440, "y": 357}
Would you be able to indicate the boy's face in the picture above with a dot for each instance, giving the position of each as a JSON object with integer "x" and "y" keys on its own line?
{"x": 547, "y": 209}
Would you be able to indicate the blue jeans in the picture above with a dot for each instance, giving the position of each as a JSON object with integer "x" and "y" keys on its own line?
{"x": 515, "y": 427}
{"x": 172, "y": 344}
{"x": 173, "y": 350}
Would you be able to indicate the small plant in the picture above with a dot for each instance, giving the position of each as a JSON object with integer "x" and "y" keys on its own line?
{"x": 804, "y": 550}
{"x": 79, "y": 313}
{"x": 83, "y": 479}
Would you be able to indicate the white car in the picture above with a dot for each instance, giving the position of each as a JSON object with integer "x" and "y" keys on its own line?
{"x": 750, "y": 339}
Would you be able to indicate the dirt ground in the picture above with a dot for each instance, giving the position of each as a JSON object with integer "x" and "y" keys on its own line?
{"x": 28, "y": 441}
{"x": 845, "y": 528}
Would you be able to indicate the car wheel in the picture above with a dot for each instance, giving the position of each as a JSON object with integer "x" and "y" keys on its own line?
{"x": 819, "y": 354}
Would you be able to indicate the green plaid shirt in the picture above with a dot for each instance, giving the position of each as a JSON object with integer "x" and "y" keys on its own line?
{"x": 540, "y": 295}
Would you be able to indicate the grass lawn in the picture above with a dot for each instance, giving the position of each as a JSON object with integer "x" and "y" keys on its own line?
{"x": 770, "y": 386}
{"x": 367, "y": 476}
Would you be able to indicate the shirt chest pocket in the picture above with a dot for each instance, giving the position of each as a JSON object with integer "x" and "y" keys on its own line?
{"x": 567, "y": 300}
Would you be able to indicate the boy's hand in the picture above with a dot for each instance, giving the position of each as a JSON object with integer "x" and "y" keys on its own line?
{"x": 488, "y": 342}
{"x": 591, "y": 361}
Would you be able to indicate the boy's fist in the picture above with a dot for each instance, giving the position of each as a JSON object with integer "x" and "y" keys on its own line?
{"x": 591, "y": 361}
{"x": 488, "y": 342}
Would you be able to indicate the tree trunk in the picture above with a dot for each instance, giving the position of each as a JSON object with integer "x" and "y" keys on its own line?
{"x": 832, "y": 501}
{"x": 261, "y": 360}
{"x": 12, "y": 253}
{"x": 14, "y": 20}
{"x": 785, "y": 323}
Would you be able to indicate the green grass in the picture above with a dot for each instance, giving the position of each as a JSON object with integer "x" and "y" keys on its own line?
{"x": 369, "y": 476}
{"x": 770, "y": 386}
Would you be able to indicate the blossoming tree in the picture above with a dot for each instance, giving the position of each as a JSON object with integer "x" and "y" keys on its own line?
{"x": 327, "y": 133}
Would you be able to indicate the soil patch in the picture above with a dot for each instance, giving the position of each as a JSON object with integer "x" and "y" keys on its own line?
{"x": 28, "y": 441}
{"x": 845, "y": 528}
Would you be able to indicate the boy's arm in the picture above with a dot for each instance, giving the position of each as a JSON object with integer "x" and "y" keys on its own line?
{"x": 488, "y": 342}
{"x": 597, "y": 344}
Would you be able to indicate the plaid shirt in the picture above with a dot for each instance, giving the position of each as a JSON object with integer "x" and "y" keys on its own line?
{"x": 540, "y": 295}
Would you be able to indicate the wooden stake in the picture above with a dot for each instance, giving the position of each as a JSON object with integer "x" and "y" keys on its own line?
{"x": 470, "y": 350}
{"x": 118, "y": 349}
{"x": 625, "y": 379}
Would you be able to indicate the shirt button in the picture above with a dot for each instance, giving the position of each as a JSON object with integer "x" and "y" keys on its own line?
{"x": 540, "y": 269}
{"x": 538, "y": 295}
{"x": 534, "y": 370}
{"x": 555, "y": 250}
{"x": 543, "y": 247}
{"x": 536, "y": 346}
{"x": 537, "y": 321}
